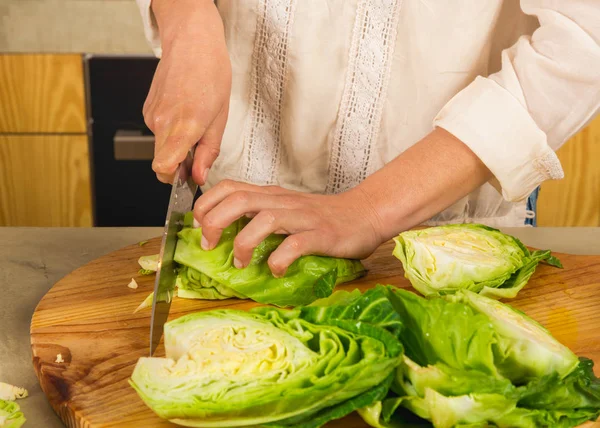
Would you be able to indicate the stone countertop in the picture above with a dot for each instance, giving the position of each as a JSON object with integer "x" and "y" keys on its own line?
{"x": 34, "y": 259}
{"x": 31, "y": 261}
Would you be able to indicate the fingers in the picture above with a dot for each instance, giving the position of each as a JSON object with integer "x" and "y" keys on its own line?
{"x": 173, "y": 142}
{"x": 232, "y": 208}
{"x": 217, "y": 194}
{"x": 209, "y": 147}
{"x": 280, "y": 221}
{"x": 295, "y": 246}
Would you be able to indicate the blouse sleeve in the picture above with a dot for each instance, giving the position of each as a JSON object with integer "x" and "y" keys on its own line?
{"x": 150, "y": 26}
{"x": 548, "y": 89}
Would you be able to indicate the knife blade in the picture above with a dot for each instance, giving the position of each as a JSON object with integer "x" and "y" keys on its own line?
{"x": 180, "y": 202}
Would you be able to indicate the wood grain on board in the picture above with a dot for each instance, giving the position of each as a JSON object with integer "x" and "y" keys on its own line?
{"x": 45, "y": 181}
{"x": 574, "y": 200}
{"x": 88, "y": 318}
{"x": 42, "y": 94}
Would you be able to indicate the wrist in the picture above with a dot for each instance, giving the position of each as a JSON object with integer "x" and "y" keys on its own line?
{"x": 187, "y": 19}
{"x": 422, "y": 181}
{"x": 363, "y": 204}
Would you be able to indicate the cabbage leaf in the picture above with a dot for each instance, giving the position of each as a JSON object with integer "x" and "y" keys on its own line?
{"x": 211, "y": 274}
{"x": 10, "y": 415}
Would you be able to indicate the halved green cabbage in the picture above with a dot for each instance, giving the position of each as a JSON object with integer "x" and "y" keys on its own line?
{"x": 299, "y": 367}
{"x": 441, "y": 260}
{"x": 524, "y": 349}
{"x": 10, "y": 415}
{"x": 211, "y": 274}
{"x": 472, "y": 361}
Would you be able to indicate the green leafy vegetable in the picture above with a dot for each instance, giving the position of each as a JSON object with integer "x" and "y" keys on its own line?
{"x": 340, "y": 410}
{"x": 524, "y": 350}
{"x": 146, "y": 303}
{"x": 149, "y": 263}
{"x": 211, "y": 274}
{"x": 473, "y": 361}
{"x": 142, "y": 243}
{"x": 579, "y": 389}
{"x": 441, "y": 260}
{"x": 192, "y": 284}
{"x": 10, "y": 415}
{"x": 299, "y": 367}
{"x": 10, "y": 392}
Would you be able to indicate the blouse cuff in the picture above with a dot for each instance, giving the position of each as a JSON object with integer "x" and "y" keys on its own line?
{"x": 150, "y": 26}
{"x": 500, "y": 131}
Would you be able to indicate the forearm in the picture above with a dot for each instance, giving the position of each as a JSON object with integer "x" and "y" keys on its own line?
{"x": 424, "y": 180}
{"x": 173, "y": 16}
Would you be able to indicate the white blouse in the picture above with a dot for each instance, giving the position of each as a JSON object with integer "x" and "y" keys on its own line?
{"x": 325, "y": 92}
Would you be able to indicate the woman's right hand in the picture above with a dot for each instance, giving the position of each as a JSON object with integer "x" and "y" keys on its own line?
{"x": 188, "y": 102}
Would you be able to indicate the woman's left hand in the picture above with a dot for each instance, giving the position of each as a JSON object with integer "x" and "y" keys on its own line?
{"x": 344, "y": 225}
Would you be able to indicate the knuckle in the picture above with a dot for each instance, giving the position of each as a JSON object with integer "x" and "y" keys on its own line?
{"x": 198, "y": 211}
{"x": 147, "y": 106}
{"x": 158, "y": 120}
{"x": 210, "y": 222}
{"x": 187, "y": 124}
{"x": 268, "y": 217}
{"x": 287, "y": 201}
{"x": 149, "y": 120}
{"x": 241, "y": 243}
{"x": 227, "y": 185}
{"x": 240, "y": 198}
{"x": 159, "y": 167}
{"x": 295, "y": 242}
{"x": 214, "y": 152}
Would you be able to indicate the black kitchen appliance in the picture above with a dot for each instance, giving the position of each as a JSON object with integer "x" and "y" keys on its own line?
{"x": 125, "y": 189}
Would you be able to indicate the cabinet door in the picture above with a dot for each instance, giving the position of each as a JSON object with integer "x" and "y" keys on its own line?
{"x": 44, "y": 180}
{"x": 575, "y": 200}
{"x": 42, "y": 94}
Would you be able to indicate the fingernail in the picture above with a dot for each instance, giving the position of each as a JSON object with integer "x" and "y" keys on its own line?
{"x": 196, "y": 224}
{"x": 237, "y": 263}
{"x": 204, "y": 243}
{"x": 276, "y": 274}
{"x": 204, "y": 176}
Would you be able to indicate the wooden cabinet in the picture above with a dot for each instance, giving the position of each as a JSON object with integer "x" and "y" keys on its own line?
{"x": 575, "y": 200}
{"x": 42, "y": 94}
{"x": 44, "y": 158}
{"x": 44, "y": 180}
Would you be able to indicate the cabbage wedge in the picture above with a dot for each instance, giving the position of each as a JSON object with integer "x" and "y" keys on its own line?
{"x": 473, "y": 361}
{"x": 276, "y": 367}
{"x": 441, "y": 260}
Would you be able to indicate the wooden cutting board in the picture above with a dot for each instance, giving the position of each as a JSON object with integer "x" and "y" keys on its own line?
{"x": 88, "y": 318}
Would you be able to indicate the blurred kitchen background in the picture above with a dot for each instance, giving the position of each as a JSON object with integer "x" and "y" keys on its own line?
{"x": 74, "y": 150}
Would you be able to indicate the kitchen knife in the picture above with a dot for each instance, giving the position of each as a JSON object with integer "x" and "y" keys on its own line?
{"x": 180, "y": 202}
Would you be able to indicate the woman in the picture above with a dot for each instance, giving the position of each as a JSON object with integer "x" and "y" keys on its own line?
{"x": 344, "y": 122}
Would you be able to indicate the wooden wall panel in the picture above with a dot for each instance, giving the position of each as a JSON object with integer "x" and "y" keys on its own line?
{"x": 45, "y": 180}
{"x": 575, "y": 200}
{"x": 42, "y": 94}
